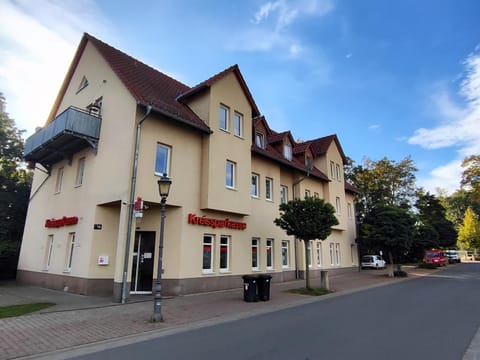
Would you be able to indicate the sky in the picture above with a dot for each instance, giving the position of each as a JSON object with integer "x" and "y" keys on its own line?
{"x": 394, "y": 79}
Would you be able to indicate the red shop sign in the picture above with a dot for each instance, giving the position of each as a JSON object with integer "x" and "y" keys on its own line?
{"x": 216, "y": 223}
{"x": 56, "y": 223}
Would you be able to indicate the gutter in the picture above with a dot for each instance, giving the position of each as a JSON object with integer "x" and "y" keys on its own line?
{"x": 131, "y": 201}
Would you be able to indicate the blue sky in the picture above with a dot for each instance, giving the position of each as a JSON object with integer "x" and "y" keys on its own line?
{"x": 392, "y": 78}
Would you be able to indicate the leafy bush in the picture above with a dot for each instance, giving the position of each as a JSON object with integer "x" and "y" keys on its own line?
{"x": 399, "y": 273}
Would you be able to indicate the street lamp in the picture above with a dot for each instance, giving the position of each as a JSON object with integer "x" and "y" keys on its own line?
{"x": 163, "y": 188}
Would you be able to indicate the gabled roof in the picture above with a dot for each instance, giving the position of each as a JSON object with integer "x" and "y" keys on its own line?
{"x": 300, "y": 148}
{"x": 275, "y": 137}
{"x": 320, "y": 146}
{"x": 209, "y": 82}
{"x": 147, "y": 85}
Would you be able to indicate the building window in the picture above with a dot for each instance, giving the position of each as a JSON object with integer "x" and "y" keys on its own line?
{"x": 162, "y": 160}
{"x": 337, "y": 205}
{"x": 48, "y": 253}
{"x": 332, "y": 169}
{"x": 287, "y": 151}
{"x": 58, "y": 184}
{"x": 315, "y": 195}
{"x": 337, "y": 171}
{"x": 254, "y": 190}
{"x": 319, "y": 254}
{"x": 80, "y": 172}
{"x": 283, "y": 194}
{"x": 307, "y": 193}
{"x": 349, "y": 210}
{"x": 69, "y": 254}
{"x": 269, "y": 254}
{"x": 331, "y": 253}
{"x": 308, "y": 162}
{"x": 207, "y": 266}
{"x": 268, "y": 189}
{"x": 260, "y": 140}
{"x": 337, "y": 254}
{"x": 230, "y": 175}
{"x": 224, "y": 253}
{"x": 285, "y": 254}
{"x": 309, "y": 254}
{"x": 223, "y": 118}
{"x": 255, "y": 254}
{"x": 238, "y": 124}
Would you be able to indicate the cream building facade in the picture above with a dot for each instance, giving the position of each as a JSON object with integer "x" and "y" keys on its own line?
{"x": 116, "y": 127}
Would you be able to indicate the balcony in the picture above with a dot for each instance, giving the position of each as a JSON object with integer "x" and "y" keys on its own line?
{"x": 71, "y": 131}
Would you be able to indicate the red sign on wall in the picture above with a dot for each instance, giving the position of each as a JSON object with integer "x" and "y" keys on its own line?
{"x": 216, "y": 223}
{"x": 56, "y": 223}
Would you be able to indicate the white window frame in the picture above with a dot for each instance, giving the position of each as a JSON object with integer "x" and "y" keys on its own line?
{"x": 310, "y": 254}
{"x": 338, "y": 207}
{"x": 70, "y": 251}
{"x": 223, "y": 116}
{"x": 337, "y": 172}
{"x": 237, "y": 124}
{"x": 332, "y": 169}
{"x": 168, "y": 149}
{"x": 307, "y": 193}
{"x": 224, "y": 244}
{"x": 287, "y": 151}
{"x": 331, "y": 248}
{"x": 48, "y": 253}
{"x": 285, "y": 254}
{"x": 260, "y": 140}
{"x": 255, "y": 249}
{"x": 349, "y": 210}
{"x": 58, "y": 183}
{"x": 80, "y": 172}
{"x": 208, "y": 240}
{"x": 255, "y": 191}
{"x": 269, "y": 256}
{"x": 319, "y": 254}
{"x": 283, "y": 194}
{"x": 230, "y": 173}
{"x": 337, "y": 254}
{"x": 269, "y": 189}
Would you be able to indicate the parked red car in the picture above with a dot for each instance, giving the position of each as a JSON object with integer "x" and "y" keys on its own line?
{"x": 436, "y": 257}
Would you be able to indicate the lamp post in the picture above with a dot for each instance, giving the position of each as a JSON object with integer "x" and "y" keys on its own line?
{"x": 163, "y": 188}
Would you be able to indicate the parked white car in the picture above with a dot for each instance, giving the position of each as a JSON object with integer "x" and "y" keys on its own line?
{"x": 373, "y": 261}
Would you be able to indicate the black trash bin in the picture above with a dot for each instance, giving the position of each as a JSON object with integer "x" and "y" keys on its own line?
{"x": 249, "y": 288}
{"x": 264, "y": 286}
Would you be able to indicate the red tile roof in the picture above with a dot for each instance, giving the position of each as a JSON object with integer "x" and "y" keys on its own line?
{"x": 320, "y": 146}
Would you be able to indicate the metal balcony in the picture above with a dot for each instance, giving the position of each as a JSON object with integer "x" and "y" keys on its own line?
{"x": 71, "y": 131}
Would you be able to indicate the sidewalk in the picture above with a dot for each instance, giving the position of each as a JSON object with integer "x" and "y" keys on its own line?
{"x": 78, "y": 320}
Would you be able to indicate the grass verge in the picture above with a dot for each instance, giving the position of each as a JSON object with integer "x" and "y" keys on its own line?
{"x": 18, "y": 310}
{"x": 311, "y": 291}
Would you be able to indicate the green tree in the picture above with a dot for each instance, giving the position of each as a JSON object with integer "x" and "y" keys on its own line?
{"x": 390, "y": 229}
{"x": 471, "y": 176}
{"x": 15, "y": 185}
{"x": 469, "y": 233}
{"x": 382, "y": 183}
{"x": 308, "y": 219}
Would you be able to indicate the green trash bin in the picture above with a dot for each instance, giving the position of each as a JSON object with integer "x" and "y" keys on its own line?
{"x": 264, "y": 281}
{"x": 249, "y": 288}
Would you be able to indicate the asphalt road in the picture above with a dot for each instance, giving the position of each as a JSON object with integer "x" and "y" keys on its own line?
{"x": 434, "y": 317}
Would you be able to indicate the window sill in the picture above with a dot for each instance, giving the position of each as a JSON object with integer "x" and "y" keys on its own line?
{"x": 269, "y": 200}
{"x": 256, "y": 270}
{"x": 207, "y": 272}
{"x": 67, "y": 271}
{"x": 225, "y": 272}
{"x": 230, "y": 188}
{"x": 239, "y": 137}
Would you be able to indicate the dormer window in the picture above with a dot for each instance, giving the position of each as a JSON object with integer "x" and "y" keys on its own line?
{"x": 260, "y": 140}
{"x": 308, "y": 162}
{"x": 287, "y": 151}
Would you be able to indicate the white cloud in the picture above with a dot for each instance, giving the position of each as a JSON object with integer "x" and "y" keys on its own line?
{"x": 446, "y": 177}
{"x": 460, "y": 126}
{"x": 37, "y": 42}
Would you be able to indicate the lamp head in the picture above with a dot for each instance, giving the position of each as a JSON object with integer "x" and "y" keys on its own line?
{"x": 164, "y": 186}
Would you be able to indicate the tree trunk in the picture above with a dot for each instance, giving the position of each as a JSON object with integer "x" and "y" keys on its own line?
{"x": 307, "y": 270}
{"x": 390, "y": 256}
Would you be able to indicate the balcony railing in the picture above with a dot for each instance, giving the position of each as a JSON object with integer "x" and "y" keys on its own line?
{"x": 71, "y": 131}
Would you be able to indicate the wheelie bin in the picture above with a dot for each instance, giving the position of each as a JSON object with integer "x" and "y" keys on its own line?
{"x": 264, "y": 286}
{"x": 249, "y": 288}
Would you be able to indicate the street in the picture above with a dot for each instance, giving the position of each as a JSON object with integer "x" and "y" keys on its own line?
{"x": 433, "y": 317}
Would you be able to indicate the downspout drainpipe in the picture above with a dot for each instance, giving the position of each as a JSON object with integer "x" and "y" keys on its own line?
{"x": 131, "y": 203}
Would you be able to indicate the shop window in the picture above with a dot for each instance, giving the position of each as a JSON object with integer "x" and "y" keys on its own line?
{"x": 269, "y": 254}
{"x": 230, "y": 175}
{"x": 69, "y": 253}
{"x": 48, "y": 253}
{"x": 285, "y": 254}
{"x": 224, "y": 253}
{"x": 254, "y": 190}
{"x": 283, "y": 194}
{"x": 238, "y": 124}
{"x": 80, "y": 172}
{"x": 223, "y": 117}
{"x": 255, "y": 247}
{"x": 58, "y": 183}
{"x": 162, "y": 160}
{"x": 268, "y": 189}
{"x": 207, "y": 266}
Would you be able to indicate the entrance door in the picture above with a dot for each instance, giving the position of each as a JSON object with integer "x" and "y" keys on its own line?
{"x": 142, "y": 265}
